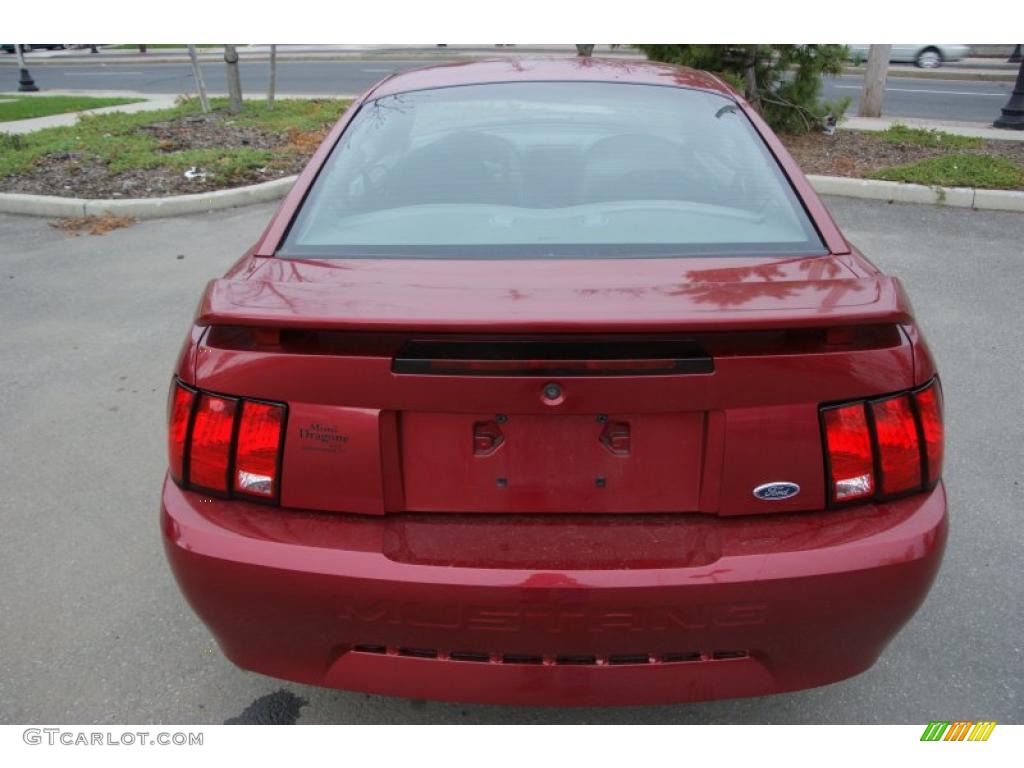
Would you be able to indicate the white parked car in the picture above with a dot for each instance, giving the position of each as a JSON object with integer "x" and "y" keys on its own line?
{"x": 924, "y": 55}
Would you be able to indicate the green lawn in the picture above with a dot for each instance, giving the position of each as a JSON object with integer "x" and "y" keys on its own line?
{"x": 114, "y": 139}
{"x": 927, "y": 137}
{"x": 984, "y": 171}
{"x": 25, "y": 107}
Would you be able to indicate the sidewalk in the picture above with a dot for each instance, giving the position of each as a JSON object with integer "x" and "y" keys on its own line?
{"x": 978, "y": 130}
{"x": 150, "y": 101}
{"x": 311, "y": 53}
{"x": 970, "y": 69}
{"x": 133, "y": 54}
{"x": 163, "y": 101}
{"x": 984, "y": 69}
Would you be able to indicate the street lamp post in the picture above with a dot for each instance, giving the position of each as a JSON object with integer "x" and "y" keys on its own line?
{"x": 25, "y": 81}
{"x": 1013, "y": 112}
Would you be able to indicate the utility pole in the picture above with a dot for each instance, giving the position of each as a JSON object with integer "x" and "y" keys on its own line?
{"x": 273, "y": 77}
{"x": 25, "y": 81}
{"x": 197, "y": 74}
{"x": 873, "y": 92}
{"x": 234, "y": 80}
{"x": 1013, "y": 112}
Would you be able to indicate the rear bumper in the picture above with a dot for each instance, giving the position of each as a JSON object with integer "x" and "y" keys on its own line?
{"x": 752, "y": 606}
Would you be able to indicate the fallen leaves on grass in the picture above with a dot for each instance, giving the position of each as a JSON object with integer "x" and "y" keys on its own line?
{"x": 844, "y": 165}
{"x": 305, "y": 142}
{"x": 93, "y": 225}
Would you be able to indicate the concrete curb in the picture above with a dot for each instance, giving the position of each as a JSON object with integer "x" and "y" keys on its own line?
{"x": 181, "y": 205}
{"x": 146, "y": 208}
{"x": 898, "y": 192}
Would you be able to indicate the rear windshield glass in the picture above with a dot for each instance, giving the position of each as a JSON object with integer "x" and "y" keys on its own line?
{"x": 550, "y": 169}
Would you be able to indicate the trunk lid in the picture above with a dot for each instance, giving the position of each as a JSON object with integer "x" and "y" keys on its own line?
{"x": 467, "y": 423}
{"x": 603, "y": 295}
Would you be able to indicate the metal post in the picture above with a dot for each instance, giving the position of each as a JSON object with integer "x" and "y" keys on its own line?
{"x": 1013, "y": 113}
{"x": 197, "y": 73}
{"x": 25, "y": 81}
{"x": 272, "y": 87}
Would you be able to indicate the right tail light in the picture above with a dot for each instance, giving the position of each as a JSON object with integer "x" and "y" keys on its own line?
{"x": 884, "y": 447}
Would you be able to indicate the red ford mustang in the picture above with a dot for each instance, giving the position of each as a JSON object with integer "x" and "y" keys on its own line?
{"x": 553, "y": 382}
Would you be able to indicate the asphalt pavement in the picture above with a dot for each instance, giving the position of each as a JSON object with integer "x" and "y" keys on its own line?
{"x": 964, "y": 100}
{"x": 94, "y": 629}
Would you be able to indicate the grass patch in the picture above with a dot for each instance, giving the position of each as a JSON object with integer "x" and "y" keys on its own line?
{"x": 983, "y": 171}
{"x": 25, "y": 107}
{"x": 928, "y": 137}
{"x": 115, "y": 140}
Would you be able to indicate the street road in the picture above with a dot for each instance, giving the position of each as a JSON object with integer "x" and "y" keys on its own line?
{"x": 966, "y": 100}
{"x": 94, "y": 629}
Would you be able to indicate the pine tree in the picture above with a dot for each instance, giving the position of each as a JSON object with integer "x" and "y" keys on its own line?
{"x": 783, "y": 82}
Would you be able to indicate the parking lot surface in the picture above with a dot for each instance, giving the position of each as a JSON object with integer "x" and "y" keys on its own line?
{"x": 95, "y": 631}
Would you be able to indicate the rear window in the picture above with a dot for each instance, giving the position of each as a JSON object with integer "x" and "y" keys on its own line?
{"x": 550, "y": 170}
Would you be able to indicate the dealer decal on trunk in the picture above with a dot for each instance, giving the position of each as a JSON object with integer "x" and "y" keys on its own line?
{"x": 322, "y": 437}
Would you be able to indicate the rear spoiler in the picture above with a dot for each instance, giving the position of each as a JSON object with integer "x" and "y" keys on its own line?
{"x": 691, "y": 307}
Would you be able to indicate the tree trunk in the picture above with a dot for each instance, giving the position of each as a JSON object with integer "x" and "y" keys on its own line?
{"x": 273, "y": 77}
{"x": 873, "y": 92}
{"x": 750, "y": 78}
{"x": 197, "y": 73}
{"x": 234, "y": 80}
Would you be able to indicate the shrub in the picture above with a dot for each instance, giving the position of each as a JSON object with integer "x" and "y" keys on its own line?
{"x": 783, "y": 82}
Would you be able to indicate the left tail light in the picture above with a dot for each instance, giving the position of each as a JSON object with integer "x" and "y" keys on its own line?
{"x": 228, "y": 446}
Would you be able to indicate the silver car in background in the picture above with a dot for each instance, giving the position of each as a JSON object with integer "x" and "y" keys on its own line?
{"x": 924, "y": 55}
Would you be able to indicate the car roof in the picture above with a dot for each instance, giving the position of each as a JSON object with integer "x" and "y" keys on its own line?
{"x": 577, "y": 69}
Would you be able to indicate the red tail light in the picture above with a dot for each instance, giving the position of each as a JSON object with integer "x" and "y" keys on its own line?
{"x": 224, "y": 444}
{"x": 180, "y": 409}
{"x": 851, "y": 460}
{"x": 259, "y": 437}
{"x": 929, "y": 406}
{"x": 886, "y": 447}
{"x": 211, "y": 442}
{"x": 899, "y": 448}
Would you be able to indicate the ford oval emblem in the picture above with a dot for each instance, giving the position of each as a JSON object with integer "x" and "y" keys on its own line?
{"x": 776, "y": 491}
